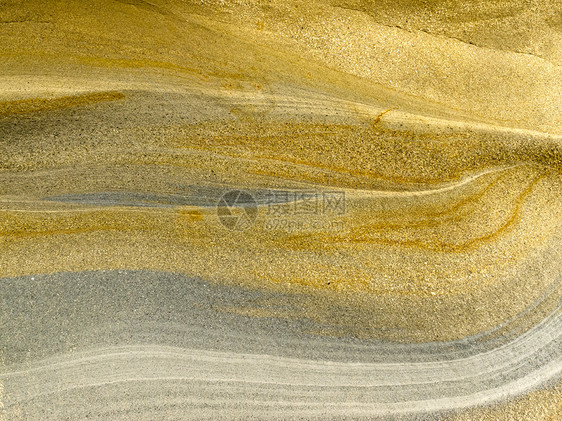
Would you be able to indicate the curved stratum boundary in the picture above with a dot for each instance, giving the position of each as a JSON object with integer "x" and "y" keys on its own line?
{"x": 168, "y": 350}
{"x": 434, "y": 290}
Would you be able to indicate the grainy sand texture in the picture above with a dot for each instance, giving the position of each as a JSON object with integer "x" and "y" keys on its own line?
{"x": 274, "y": 210}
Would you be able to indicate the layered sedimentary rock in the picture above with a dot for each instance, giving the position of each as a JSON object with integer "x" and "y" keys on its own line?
{"x": 402, "y": 167}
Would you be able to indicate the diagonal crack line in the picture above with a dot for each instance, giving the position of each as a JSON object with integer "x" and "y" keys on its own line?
{"x": 417, "y": 30}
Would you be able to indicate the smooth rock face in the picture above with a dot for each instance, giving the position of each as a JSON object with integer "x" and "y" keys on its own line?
{"x": 280, "y": 210}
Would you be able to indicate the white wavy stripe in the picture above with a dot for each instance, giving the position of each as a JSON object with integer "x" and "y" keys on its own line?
{"x": 516, "y": 365}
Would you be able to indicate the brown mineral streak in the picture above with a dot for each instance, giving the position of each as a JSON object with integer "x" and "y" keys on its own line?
{"x": 122, "y": 123}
